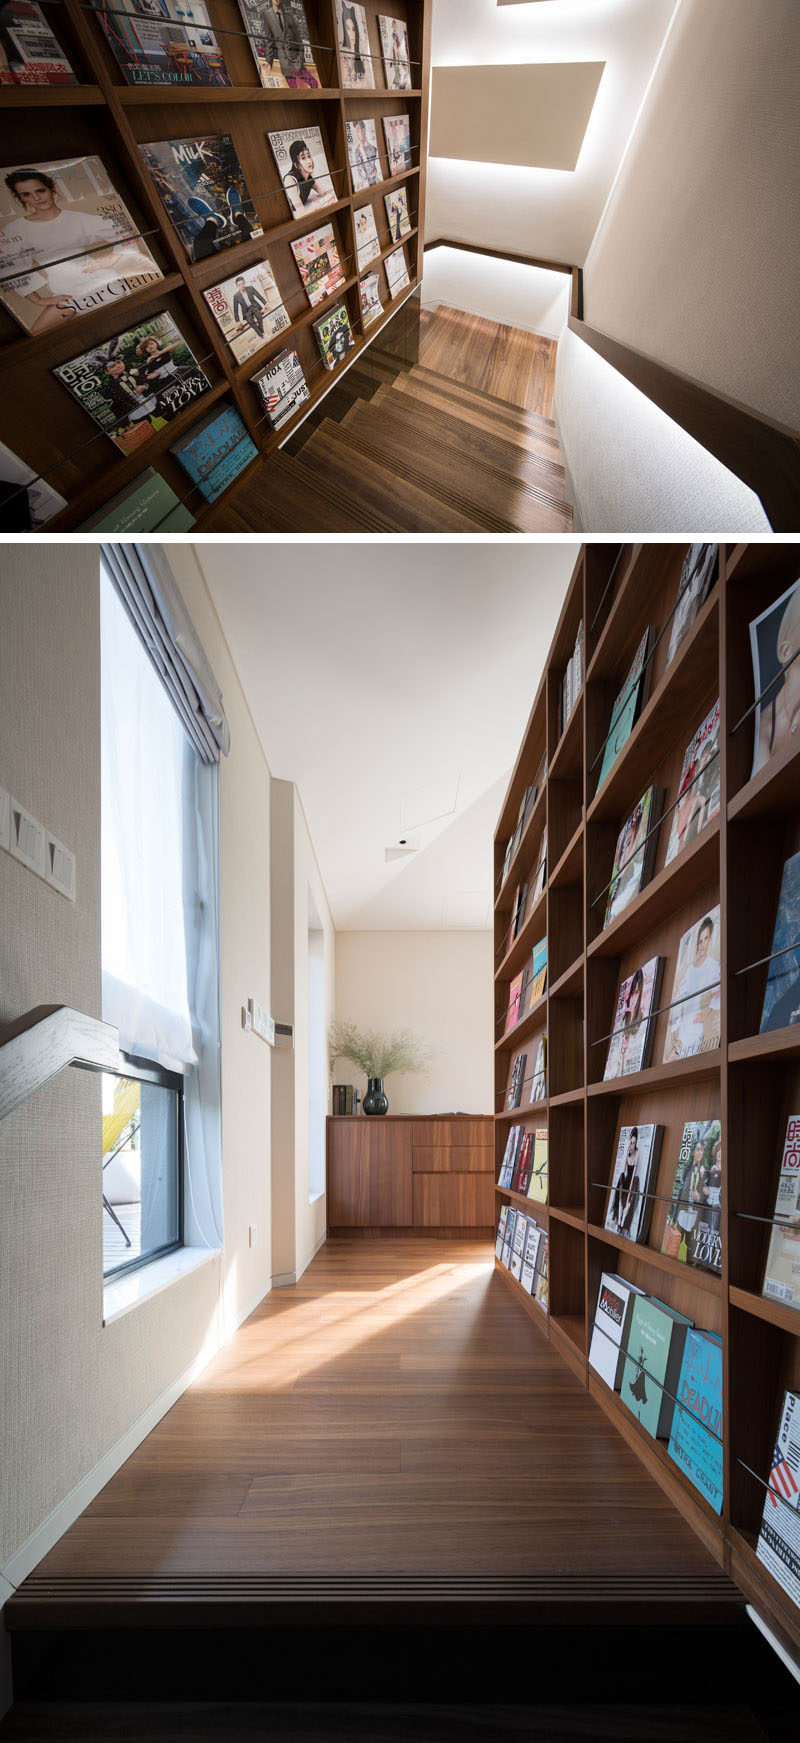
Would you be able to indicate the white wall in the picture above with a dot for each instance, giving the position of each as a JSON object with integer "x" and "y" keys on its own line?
{"x": 500, "y": 290}
{"x": 438, "y": 984}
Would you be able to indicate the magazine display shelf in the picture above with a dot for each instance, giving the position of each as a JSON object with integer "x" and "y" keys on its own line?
{"x": 751, "y": 1082}
{"x": 104, "y": 117}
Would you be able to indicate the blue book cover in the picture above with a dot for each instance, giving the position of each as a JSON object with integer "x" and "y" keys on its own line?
{"x": 695, "y": 1442}
{"x": 216, "y": 451}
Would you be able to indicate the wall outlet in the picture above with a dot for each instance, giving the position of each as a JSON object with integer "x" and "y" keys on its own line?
{"x": 253, "y": 1234}
{"x": 28, "y": 839}
{"x": 5, "y": 819}
{"x": 60, "y": 868}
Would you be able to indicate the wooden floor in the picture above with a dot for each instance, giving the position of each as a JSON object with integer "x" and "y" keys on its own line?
{"x": 508, "y": 362}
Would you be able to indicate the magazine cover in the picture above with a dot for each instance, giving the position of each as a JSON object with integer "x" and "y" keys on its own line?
{"x": 625, "y": 710}
{"x": 248, "y": 309}
{"x": 398, "y": 220}
{"x": 397, "y": 132}
{"x": 782, "y": 1273}
{"x": 782, "y": 992}
{"x": 695, "y": 1441}
{"x": 693, "y": 1020}
{"x": 538, "y": 974}
{"x": 652, "y": 1366}
{"x": 631, "y": 1039}
{"x": 371, "y": 305}
{"x": 779, "y": 1538}
{"x": 629, "y": 1201}
{"x": 394, "y": 47}
{"x": 633, "y": 856}
{"x": 541, "y": 1292}
{"x": 334, "y": 336}
{"x": 517, "y": 1245}
{"x": 162, "y": 42}
{"x": 318, "y": 263}
{"x": 146, "y": 505}
{"x": 515, "y": 1081}
{"x": 774, "y": 642}
{"x": 539, "y": 1073}
{"x": 280, "y": 41}
{"x": 303, "y": 168}
{"x": 352, "y": 35}
{"x": 363, "y": 154}
{"x": 135, "y": 383}
{"x": 367, "y": 245}
{"x": 282, "y": 386}
{"x": 698, "y": 793}
{"x": 537, "y": 1185}
{"x": 513, "y": 1142}
{"x": 699, "y": 572}
{"x": 206, "y": 197}
{"x": 530, "y": 1256}
{"x": 29, "y": 53}
{"x": 26, "y": 502}
{"x": 692, "y": 1231}
{"x": 612, "y": 1318}
{"x": 501, "y": 1230}
{"x": 65, "y": 229}
{"x": 396, "y": 272}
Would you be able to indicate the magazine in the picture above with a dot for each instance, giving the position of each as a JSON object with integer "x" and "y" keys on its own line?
{"x": 397, "y": 217}
{"x": 334, "y": 336}
{"x": 363, "y": 154}
{"x": 215, "y": 451}
{"x": 625, "y": 711}
{"x": 282, "y": 386}
{"x": 612, "y": 1318}
{"x": 162, "y": 42}
{"x": 303, "y": 168}
{"x": 65, "y": 229}
{"x": 694, "y": 1015}
{"x": 695, "y": 1442}
{"x": 692, "y": 1232}
{"x": 248, "y": 309}
{"x": 782, "y": 1274}
{"x": 515, "y": 1082}
{"x": 317, "y": 259}
{"x": 539, "y": 1075}
{"x": 396, "y": 272}
{"x": 699, "y": 572}
{"x": 779, "y": 1538}
{"x": 203, "y": 189}
{"x": 394, "y": 47}
{"x": 135, "y": 382}
{"x": 775, "y": 650}
{"x": 782, "y": 992}
{"x": 26, "y": 502}
{"x": 146, "y": 505}
{"x": 352, "y": 35}
{"x": 397, "y": 133}
{"x": 634, "y": 855}
{"x": 630, "y": 1202}
{"x": 536, "y": 1187}
{"x": 284, "y": 56}
{"x": 632, "y": 1030}
{"x": 371, "y": 305}
{"x": 29, "y": 52}
{"x": 367, "y": 245}
{"x": 698, "y": 794}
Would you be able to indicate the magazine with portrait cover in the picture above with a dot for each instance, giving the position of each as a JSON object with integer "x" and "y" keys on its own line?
{"x": 698, "y": 793}
{"x": 782, "y": 1272}
{"x": 371, "y": 305}
{"x": 27, "y": 502}
{"x": 625, "y": 711}
{"x": 397, "y": 132}
{"x": 334, "y": 336}
{"x": 635, "y": 853}
{"x": 363, "y": 154}
{"x": 135, "y": 383}
{"x": 69, "y": 235}
{"x": 630, "y": 1202}
{"x": 397, "y": 217}
{"x": 539, "y": 1073}
{"x": 781, "y": 1006}
{"x": 779, "y": 1538}
{"x": 396, "y": 272}
{"x": 29, "y": 52}
{"x": 162, "y": 42}
{"x": 352, "y": 35}
{"x": 280, "y": 42}
{"x": 214, "y": 452}
{"x": 317, "y": 259}
{"x": 515, "y": 1081}
{"x": 248, "y": 309}
{"x": 202, "y": 186}
{"x": 394, "y": 48}
{"x": 694, "y": 1015}
{"x": 692, "y": 1231}
{"x": 632, "y": 1030}
{"x": 282, "y": 387}
{"x": 775, "y": 651}
{"x": 306, "y": 180}
{"x": 367, "y": 245}
{"x": 699, "y": 572}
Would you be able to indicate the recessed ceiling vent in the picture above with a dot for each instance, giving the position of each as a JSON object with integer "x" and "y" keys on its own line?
{"x": 402, "y": 849}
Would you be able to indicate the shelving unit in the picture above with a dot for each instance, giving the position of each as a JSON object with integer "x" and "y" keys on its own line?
{"x": 751, "y": 1083}
{"x": 106, "y": 118}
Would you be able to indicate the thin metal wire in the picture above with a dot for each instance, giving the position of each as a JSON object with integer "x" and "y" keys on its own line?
{"x": 778, "y": 1222}
{"x": 765, "y": 692}
{"x": 649, "y": 1015}
{"x": 663, "y": 815}
{"x": 619, "y": 557}
{"x": 626, "y": 1355}
{"x": 528, "y": 977}
{"x": 532, "y": 1077}
{"x": 506, "y": 948}
{"x": 762, "y": 959}
{"x": 229, "y": 30}
{"x": 608, "y": 1186}
{"x": 768, "y": 1486}
{"x": 640, "y": 675}
{"x": 100, "y": 248}
{"x": 504, "y": 876}
{"x": 260, "y": 194}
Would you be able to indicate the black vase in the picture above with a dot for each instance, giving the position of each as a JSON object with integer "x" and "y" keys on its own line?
{"x": 375, "y": 1101}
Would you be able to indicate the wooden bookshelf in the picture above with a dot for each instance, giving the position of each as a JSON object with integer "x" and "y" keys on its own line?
{"x": 751, "y": 1083}
{"x": 103, "y": 117}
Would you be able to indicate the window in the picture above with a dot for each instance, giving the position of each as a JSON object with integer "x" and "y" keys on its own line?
{"x": 317, "y": 1053}
{"x": 142, "y": 1171}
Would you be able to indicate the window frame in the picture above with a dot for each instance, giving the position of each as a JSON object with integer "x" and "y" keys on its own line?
{"x": 145, "y": 1071}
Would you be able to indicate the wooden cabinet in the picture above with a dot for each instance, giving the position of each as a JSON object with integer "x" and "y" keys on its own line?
{"x": 369, "y": 1173}
{"x": 432, "y": 1172}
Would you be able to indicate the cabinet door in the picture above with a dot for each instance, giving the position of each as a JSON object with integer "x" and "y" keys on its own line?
{"x": 453, "y": 1200}
{"x": 369, "y": 1173}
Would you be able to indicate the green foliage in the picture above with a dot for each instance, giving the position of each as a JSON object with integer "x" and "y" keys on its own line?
{"x": 375, "y": 1054}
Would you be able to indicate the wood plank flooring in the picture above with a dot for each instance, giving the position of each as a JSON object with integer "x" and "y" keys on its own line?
{"x": 508, "y": 362}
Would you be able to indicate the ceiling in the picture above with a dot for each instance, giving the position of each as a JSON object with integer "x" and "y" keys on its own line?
{"x": 392, "y": 684}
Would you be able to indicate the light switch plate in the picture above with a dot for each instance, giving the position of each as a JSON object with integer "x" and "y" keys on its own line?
{"x": 60, "y": 868}
{"x": 261, "y": 1022}
{"x": 28, "y": 839}
{"x": 5, "y": 818}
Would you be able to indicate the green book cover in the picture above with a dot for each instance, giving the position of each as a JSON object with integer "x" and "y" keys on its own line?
{"x": 148, "y": 505}
{"x": 652, "y": 1363}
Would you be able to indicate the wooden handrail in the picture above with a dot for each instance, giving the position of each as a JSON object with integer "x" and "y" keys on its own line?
{"x": 574, "y": 272}
{"x": 39, "y": 1045}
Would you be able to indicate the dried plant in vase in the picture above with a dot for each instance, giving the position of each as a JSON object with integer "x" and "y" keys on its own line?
{"x": 377, "y": 1055}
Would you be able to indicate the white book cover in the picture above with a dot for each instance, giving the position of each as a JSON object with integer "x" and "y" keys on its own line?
{"x": 518, "y": 1244}
{"x": 611, "y": 1320}
{"x": 530, "y": 1256}
{"x": 299, "y": 154}
{"x": 779, "y": 1537}
{"x": 694, "y": 1016}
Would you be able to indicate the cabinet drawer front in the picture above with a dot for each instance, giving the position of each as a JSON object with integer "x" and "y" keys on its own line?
{"x": 452, "y": 1159}
{"x": 453, "y": 1200}
{"x": 477, "y": 1133}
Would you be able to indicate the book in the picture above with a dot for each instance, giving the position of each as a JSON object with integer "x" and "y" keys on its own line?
{"x": 537, "y": 1186}
{"x": 782, "y": 1272}
{"x": 299, "y": 154}
{"x": 282, "y": 387}
{"x": 334, "y": 336}
{"x": 774, "y": 641}
{"x": 317, "y": 261}
{"x": 369, "y": 293}
{"x": 397, "y": 217}
{"x": 538, "y": 974}
{"x": 136, "y": 382}
{"x": 524, "y": 1165}
{"x": 516, "y": 1080}
{"x": 280, "y": 44}
{"x": 625, "y": 711}
{"x": 635, "y": 853}
{"x": 355, "y": 57}
{"x": 533, "y": 1241}
{"x": 147, "y": 505}
{"x": 501, "y": 1230}
{"x": 693, "y": 1016}
{"x": 27, "y": 502}
{"x": 692, "y": 1231}
{"x": 698, "y": 793}
{"x": 162, "y": 42}
{"x": 29, "y": 52}
{"x": 631, "y": 1040}
{"x": 517, "y": 1246}
{"x": 367, "y": 245}
{"x": 539, "y": 1074}
{"x": 630, "y": 1202}
{"x": 509, "y": 1157}
{"x": 698, "y": 574}
{"x": 248, "y": 309}
{"x": 397, "y": 133}
{"x": 514, "y": 1000}
{"x": 541, "y": 1288}
{"x": 215, "y": 451}
{"x": 68, "y": 244}
{"x": 201, "y": 185}
{"x": 781, "y": 1006}
{"x": 396, "y": 272}
{"x": 612, "y": 1318}
{"x": 695, "y": 1441}
{"x": 779, "y": 1537}
{"x": 652, "y": 1364}
{"x": 394, "y": 46}
{"x": 362, "y": 154}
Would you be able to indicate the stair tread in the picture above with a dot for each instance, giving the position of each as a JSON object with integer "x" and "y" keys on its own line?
{"x": 285, "y": 496}
{"x": 532, "y": 420}
{"x": 413, "y": 508}
{"x": 483, "y": 417}
{"x": 524, "y": 456}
